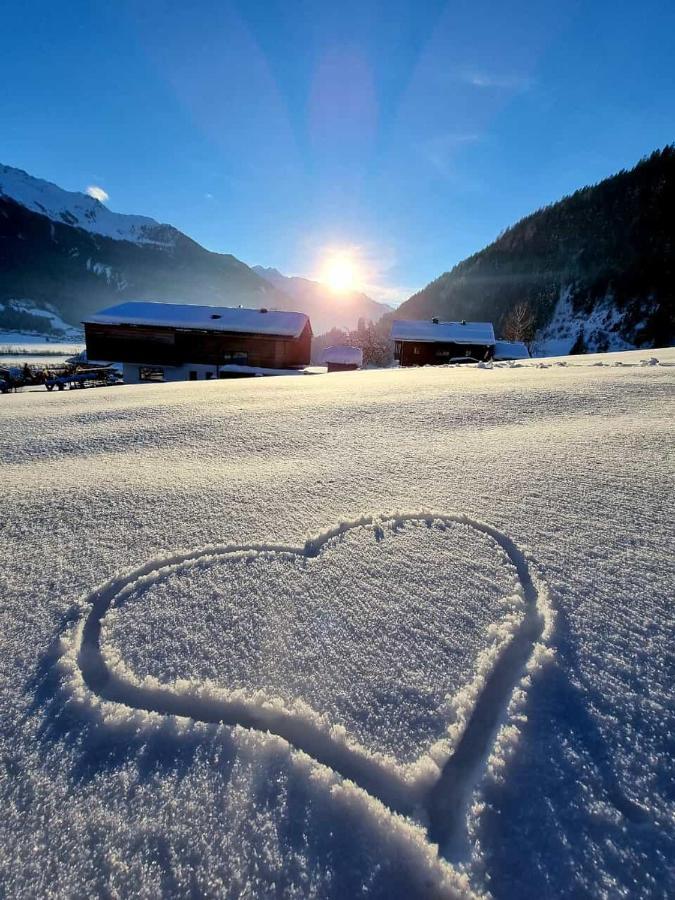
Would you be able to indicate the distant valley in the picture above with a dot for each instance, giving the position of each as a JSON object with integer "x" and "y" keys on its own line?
{"x": 592, "y": 272}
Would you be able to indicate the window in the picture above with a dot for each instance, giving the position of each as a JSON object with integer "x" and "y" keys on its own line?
{"x": 150, "y": 373}
{"x": 238, "y": 357}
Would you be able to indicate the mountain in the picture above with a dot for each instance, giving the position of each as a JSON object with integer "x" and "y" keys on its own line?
{"x": 66, "y": 254}
{"x": 596, "y": 269}
{"x": 80, "y": 210}
{"x": 24, "y": 321}
{"x": 326, "y": 309}
{"x": 65, "y": 251}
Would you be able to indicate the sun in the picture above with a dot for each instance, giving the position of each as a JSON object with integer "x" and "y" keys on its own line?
{"x": 340, "y": 274}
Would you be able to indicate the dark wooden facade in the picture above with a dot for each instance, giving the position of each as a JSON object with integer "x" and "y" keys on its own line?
{"x": 427, "y": 353}
{"x": 162, "y": 345}
{"x": 342, "y": 367}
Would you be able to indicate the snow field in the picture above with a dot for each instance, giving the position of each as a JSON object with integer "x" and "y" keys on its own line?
{"x": 569, "y": 798}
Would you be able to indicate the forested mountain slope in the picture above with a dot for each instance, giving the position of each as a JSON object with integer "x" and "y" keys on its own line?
{"x": 78, "y": 272}
{"x": 596, "y": 269}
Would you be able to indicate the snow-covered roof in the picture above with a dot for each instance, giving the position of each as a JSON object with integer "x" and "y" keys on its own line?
{"x": 213, "y": 318}
{"x": 431, "y": 331}
{"x": 341, "y": 354}
{"x": 511, "y": 350}
{"x": 80, "y": 210}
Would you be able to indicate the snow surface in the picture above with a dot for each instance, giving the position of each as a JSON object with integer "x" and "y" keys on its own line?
{"x": 79, "y": 210}
{"x": 17, "y": 360}
{"x": 215, "y": 318}
{"x": 451, "y": 332}
{"x": 600, "y": 328}
{"x": 23, "y": 342}
{"x": 198, "y": 698}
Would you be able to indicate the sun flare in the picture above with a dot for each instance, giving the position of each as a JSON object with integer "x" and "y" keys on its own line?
{"x": 340, "y": 274}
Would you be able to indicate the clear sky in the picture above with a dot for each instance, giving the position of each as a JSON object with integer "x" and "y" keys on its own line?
{"x": 408, "y": 132}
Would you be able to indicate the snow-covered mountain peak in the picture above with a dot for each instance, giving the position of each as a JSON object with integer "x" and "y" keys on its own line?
{"x": 268, "y": 272}
{"x": 80, "y": 210}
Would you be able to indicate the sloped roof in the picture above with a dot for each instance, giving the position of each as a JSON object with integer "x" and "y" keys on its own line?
{"x": 213, "y": 318}
{"x": 429, "y": 331}
{"x": 342, "y": 354}
{"x": 511, "y": 350}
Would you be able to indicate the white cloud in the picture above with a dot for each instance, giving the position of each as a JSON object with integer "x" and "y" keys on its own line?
{"x": 440, "y": 150}
{"x": 97, "y": 193}
{"x": 505, "y": 82}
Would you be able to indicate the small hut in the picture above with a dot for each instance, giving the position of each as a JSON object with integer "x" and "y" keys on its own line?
{"x": 505, "y": 350}
{"x": 342, "y": 358}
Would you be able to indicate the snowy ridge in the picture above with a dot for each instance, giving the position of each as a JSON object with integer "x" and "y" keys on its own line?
{"x": 80, "y": 210}
{"x": 586, "y": 361}
{"x": 436, "y": 788}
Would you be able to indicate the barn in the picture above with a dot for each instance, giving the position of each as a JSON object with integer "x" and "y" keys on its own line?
{"x": 432, "y": 342}
{"x": 342, "y": 358}
{"x": 178, "y": 342}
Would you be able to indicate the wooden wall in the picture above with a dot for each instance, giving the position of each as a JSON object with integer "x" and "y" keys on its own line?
{"x": 165, "y": 346}
{"x": 424, "y": 353}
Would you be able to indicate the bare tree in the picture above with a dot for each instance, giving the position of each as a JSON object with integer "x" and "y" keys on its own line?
{"x": 372, "y": 337}
{"x": 519, "y": 324}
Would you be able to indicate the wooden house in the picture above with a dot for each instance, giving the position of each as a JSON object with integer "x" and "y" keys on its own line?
{"x": 432, "y": 342}
{"x": 176, "y": 342}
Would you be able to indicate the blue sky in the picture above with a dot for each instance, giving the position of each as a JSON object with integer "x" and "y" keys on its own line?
{"x": 411, "y": 133}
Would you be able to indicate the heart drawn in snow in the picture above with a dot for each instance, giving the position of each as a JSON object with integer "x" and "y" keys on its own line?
{"x": 386, "y": 648}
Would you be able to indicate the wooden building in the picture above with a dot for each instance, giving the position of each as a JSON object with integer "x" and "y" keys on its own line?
{"x": 432, "y": 342}
{"x": 342, "y": 358}
{"x": 177, "y": 342}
